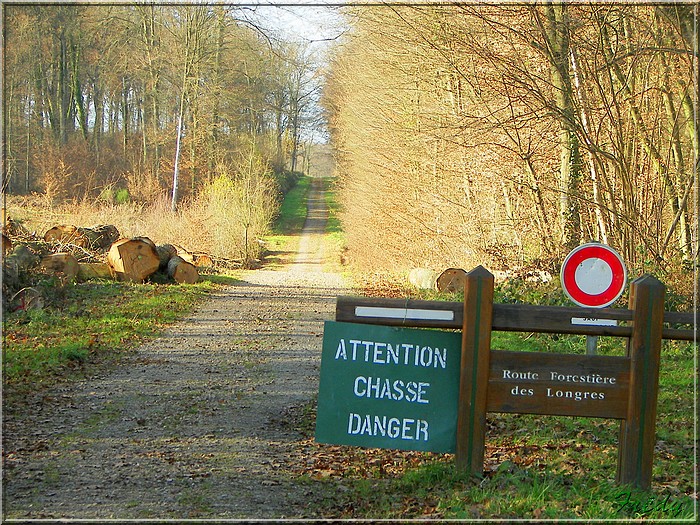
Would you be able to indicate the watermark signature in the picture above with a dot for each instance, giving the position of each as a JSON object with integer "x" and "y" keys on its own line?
{"x": 644, "y": 505}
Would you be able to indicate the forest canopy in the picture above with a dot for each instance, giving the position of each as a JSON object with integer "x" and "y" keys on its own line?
{"x": 464, "y": 134}
{"x": 146, "y": 99}
{"x": 507, "y": 135}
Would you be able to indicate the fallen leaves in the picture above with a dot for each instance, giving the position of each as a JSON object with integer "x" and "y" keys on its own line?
{"x": 324, "y": 461}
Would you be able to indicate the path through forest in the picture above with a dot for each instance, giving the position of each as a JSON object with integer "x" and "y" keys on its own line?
{"x": 195, "y": 424}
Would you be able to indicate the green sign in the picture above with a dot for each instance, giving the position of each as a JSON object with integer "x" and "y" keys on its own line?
{"x": 388, "y": 387}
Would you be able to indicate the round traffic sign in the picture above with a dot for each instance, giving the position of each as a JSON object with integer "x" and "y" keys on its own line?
{"x": 593, "y": 275}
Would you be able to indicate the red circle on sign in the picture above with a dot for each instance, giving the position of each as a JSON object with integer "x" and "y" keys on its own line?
{"x": 583, "y": 254}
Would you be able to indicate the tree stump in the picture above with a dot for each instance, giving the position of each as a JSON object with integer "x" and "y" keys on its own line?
{"x": 182, "y": 271}
{"x": 133, "y": 259}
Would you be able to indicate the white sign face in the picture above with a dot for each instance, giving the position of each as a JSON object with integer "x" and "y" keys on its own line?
{"x": 585, "y": 321}
{"x": 404, "y": 313}
{"x": 593, "y": 275}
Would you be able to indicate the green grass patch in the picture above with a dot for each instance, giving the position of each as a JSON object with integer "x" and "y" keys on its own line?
{"x": 286, "y": 229}
{"x": 333, "y": 226}
{"x": 282, "y": 243}
{"x": 94, "y": 322}
{"x": 335, "y": 237}
{"x": 292, "y": 212}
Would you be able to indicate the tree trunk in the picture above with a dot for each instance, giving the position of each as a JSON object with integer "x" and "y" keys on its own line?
{"x": 133, "y": 259}
{"x": 557, "y": 36}
{"x": 213, "y": 138}
{"x": 182, "y": 271}
{"x": 176, "y": 170}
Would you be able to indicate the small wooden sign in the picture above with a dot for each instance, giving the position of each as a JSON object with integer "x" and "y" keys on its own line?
{"x": 558, "y": 385}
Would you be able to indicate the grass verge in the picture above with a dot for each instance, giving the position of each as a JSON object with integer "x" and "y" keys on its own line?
{"x": 292, "y": 213}
{"x": 93, "y": 323}
{"x": 335, "y": 237}
{"x": 284, "y": 238}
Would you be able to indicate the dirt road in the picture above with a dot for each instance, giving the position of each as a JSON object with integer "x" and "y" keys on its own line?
{"x": 196, "y": 423}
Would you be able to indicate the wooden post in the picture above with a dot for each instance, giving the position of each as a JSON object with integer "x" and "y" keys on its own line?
{"x": 638, "y": 429}
{"x": 474, "y": 371}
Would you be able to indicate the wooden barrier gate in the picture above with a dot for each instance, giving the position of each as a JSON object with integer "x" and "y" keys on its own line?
{"x": 616, "y": 387}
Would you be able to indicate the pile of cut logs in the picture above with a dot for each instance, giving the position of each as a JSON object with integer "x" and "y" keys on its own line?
{"x": 75, "y": 253}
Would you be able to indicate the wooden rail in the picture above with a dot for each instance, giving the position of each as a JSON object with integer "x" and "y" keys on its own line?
{"x": 508, "y": 317}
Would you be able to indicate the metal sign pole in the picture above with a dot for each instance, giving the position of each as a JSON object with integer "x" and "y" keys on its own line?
{"x": 591, "y": 344}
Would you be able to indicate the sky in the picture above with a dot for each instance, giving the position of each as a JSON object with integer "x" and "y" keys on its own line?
{"x": 313, "y": 25}
{"x": 308, "y": 22}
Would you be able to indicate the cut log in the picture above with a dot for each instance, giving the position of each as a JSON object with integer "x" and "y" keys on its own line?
{"x": 451, "y": 280}
{"x": 186, "y": 256}
{"x": 182, "y": 271}
{"x": 146, "y": 240}
{"x": 61, "y": 264}
{"x": 422, "y": 278}
{"x": 133, "y": 259}
{"x": 202, "y": 260}
{"x": 165, "y": 253}
{"x": 67, "y": 234}
{"x": 197, "y": 258}
{"x": 90, "y": 271}
{"x": 98, "y": 237}
{"x": 101, "y": 236}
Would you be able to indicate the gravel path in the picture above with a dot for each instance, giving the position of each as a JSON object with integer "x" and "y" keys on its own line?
{"x": 196, "y": 424}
